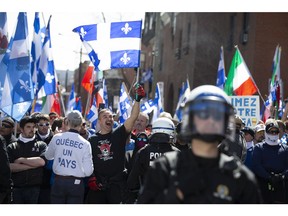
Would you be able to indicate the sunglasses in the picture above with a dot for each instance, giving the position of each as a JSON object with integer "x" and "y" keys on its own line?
{"x": 46, "y": 124}
{"x": 142, "y": 139}
{"x": 6, "y": 126}
{"x": 274, "y": 132}
{"x": 205, "y": 114}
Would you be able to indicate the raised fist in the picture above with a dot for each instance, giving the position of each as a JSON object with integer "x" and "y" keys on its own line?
{"x": 139, "y": 92}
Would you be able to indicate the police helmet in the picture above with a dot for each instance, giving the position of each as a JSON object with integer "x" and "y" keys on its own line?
{"x": 208, "y": 115}
{"x": 163, "y": 130}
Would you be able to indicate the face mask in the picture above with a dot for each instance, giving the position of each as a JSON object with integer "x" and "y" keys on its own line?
{"x": 249, "y": 144}
{"x": 271, "y": 139}
{"x": 140, "y": 144}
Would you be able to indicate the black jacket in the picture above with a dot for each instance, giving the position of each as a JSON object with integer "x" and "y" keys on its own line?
{"x": 222, "y": 180}
{"x": 34, "y": 148}
{"x": 5, "y": 174}
{"x": 143, "y": 160}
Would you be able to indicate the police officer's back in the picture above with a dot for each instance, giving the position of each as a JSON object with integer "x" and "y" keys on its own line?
{"x": 160, "y": 142}
{"x": 202, "y": 174}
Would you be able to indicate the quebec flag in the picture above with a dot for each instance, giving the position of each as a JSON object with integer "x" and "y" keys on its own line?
{"x": 46, "y": 76}
{"x": 72, "y": 100}
{"x": 36, "y": 47}
{"x": 221, "y": 78}
{"x": 124, "y": 106}
{"x": 18, "y": 86}
{"x": 92, "y": 116}
{"x": 117, "y": 44}
{"x": 184, "y": 93}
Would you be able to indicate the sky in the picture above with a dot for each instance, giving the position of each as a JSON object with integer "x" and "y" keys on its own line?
{"x": 66, "y": 45}
{"x": 67, "y": 15}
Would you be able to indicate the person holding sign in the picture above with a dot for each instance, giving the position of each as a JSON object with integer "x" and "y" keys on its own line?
{"x": 72, "y": 162}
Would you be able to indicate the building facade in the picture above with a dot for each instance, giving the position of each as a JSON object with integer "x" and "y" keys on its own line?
{"x": 187, "y": 45}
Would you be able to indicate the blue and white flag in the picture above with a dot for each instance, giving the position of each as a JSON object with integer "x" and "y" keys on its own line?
{"x": 46, "y": 76}
{"x": 147, "y": 107}
{"x": 221, "y": 78}
{"x": 184, "y": 93}
{"x": 158, "y": 107}
{"x": 124, "y": 106}
{"x": 18, "y": 86}
{"x": 72, "y": 100}
{"x": 36, "y": 48}
{"x": 147, "y": 76}
{"x": 92, "y": 116}
{"x": 116, "y": 44}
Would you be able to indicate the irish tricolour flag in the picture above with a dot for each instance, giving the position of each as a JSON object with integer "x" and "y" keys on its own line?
{"x": 239, "y": 80}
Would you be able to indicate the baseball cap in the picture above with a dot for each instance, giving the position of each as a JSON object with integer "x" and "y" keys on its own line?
{"x": 248, "y": 130}
{"x": 9, "y": 121}
{"x": 259, "y": 127}
{"x": 271, "y": 123}
{"x": 75, "y": 117}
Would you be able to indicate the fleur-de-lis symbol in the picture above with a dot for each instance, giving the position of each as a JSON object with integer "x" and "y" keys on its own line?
{"x": 49, "y": 78}
{"x": 24, "y": 85}
{"x": 126, "y": 28}
{"x": 82, "y": 33}
{"x": 125, "y": 59}
{"x": 21, "y": 108}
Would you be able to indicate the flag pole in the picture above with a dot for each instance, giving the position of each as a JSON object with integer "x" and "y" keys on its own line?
{"x": 61, "y": 99}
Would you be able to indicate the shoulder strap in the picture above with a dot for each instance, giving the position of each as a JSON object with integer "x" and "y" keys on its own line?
{"x": 172, "y": 160}
{"x": 230, "y": 165}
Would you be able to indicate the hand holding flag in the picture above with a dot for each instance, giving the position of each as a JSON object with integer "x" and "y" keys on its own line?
{"x": 139, "y": 92}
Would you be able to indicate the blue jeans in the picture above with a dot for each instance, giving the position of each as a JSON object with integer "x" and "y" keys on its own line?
{"x": 26, "y": 195}
{"x": 67, "y": 191}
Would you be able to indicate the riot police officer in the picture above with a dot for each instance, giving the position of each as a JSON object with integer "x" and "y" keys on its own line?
{"x": 202, "y": 174}
{"x": 160, "y": 142}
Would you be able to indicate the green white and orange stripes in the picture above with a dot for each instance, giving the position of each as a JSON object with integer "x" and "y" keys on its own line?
{"x": 239, "y": 80}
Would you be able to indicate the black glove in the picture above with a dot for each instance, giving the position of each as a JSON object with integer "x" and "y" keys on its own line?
{"x": 139, "y": 92}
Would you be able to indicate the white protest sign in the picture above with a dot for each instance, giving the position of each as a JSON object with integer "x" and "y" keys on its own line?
{"x": 248, "y": 108}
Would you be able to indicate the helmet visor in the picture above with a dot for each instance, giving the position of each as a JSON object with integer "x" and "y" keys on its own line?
{"x": 206, "y": 117}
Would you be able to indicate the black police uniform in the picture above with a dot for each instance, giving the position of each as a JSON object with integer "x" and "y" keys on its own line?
{"x": 143, "y": 160}
{"x": 237, "y": 148}
{"x": 221, "y": 180}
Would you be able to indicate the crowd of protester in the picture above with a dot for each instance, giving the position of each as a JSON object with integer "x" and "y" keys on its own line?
{"x": 50, "y": 159}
